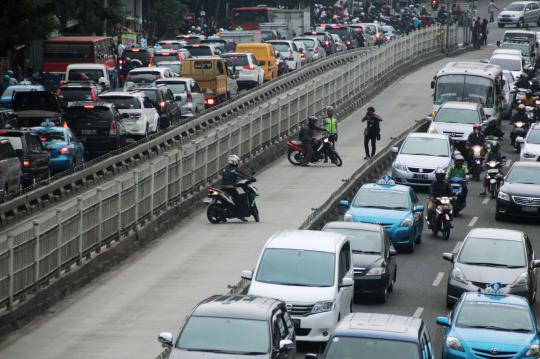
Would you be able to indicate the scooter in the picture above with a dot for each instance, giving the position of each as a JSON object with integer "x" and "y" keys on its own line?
{"x": 222, "y": 207}
{"x": 476, "y": 161}
{"x": 519, "y": 129}
{"x": 456, "y": 184}
{"x": 323, "y": 148}
{"x": 442, "y": 219}
{"x": 494, "y": 177}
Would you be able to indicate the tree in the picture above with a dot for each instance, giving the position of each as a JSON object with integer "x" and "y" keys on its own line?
{"x": 164, "y": 17}
{"x": 92, "y": 17}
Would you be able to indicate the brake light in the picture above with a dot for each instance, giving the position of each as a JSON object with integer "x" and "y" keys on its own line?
{"x": 62, "y": 82}
{"x": 168, "y": 42}
{"x": 314, "y": 33}
{"x": 58, "y": 92}
{"x": 26, "y": 163}
{"x": 189, "y": 97}
{"x": 93, "y": 95}
{"x": 327, "y": 42}
{"x": 65, "y": 124}
{"x": 165, "y": 53}
{"x": 249, "y": 67}
{"x": 3, "y": 132}
{"x": 43, "y": 139}
{"x": 135, "y": 50}
{"x": 195, "y": 45}
{"x": 120, "y": 61}
{"x": 162, "y": 105}
{"x": 302, "y": 55}
{"x": 210, "y": 101}
{"x": 89, "y": 107}
{"x": 64, "y": 150}
{"x": 151, "y": 60}
{"x": 114, "y": 128}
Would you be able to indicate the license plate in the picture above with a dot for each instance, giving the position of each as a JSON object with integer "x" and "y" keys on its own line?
{"x": 420, "y": 176}
{"x": 528, "y": 209}
{"x": 88, "y": 132}
{"x": 296, "y": 323}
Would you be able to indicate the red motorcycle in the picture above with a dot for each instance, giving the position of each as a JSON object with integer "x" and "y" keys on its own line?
{"x": 322, "y": 149}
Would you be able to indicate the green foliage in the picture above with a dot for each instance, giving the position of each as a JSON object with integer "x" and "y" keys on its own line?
{"x": 164, "y": 17}
{"x": 91, "y": 15}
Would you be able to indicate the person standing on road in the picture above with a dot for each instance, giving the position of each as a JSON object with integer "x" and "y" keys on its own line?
{"x": 491, "y": 9}
{"x": 372, "y": 132}
{"x": 306, "y": 135}
{"x": 484, "y": 31}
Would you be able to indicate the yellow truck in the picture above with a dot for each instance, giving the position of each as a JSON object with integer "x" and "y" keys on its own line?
{"x": 210, "y": 72}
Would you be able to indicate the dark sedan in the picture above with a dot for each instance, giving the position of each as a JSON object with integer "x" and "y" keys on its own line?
{"x": 491, "y": 255}
{"x": 375, "y": 268}
{"x": 520, "y": 193}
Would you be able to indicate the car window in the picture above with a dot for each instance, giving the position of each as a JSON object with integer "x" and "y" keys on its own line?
{"x": 34, "y": 143}
{"x": 147, "y": 103}
{"x": 281, "y": 324}
{"x": 276, "y": 332}
{"x": 220, "y": 68}
{"x": 122, "y": 102}
{"x": 195, "y": 88}
{"x": 530, "y": 251}
{"x": 16, "y": 141}
{"x": 6, "y": 151}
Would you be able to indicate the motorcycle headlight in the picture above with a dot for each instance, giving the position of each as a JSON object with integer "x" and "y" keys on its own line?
{"x": 376, "y": 271}
{"x": 432, "y": 129}
{"x": 534, "y": 350}
{"x": 477, "y": 150}
{"x": 453, "y": 343}
{"x": 407, "y": 222}
{"x": 347, "y": 217}
{"x": 400, "y": 166}
{"x": 519, "y": 124}
{"x": 521, "y": 281}
{"x": 529, "y": 155}
{"x": 321, "y": 307}
{"x": 458, "y": 275}
{"x": 503, "y": 196}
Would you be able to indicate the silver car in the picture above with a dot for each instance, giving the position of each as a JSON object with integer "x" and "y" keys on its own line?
{"x": 10, "y": 170}
{"x": 520, "y": 13}
{"x": 456, "y": 119}
{"x": 187, "y": 93}
{"x": 419, "y": 156}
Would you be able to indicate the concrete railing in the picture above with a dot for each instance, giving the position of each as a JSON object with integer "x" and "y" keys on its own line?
{"x": 52, "y": 243}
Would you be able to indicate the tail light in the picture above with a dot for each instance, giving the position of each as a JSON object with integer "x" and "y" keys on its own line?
{"x": 120, "y": 61}
{"x": 210, "y": 101}
{"x": 302, "y": 55}
{"x": 189, "y": 97}
{"x": 93, "y": 95}
{"x": 62, "y": 82}
{"x": 162, "y": 105}
{"x": 64, "y": 150}
{"x": 151, "y": 60}
{"x": 249, "y": 67}
{"x": 58, "y": 92}
{"x": 327, "y": 43}
{"x": 114, "y": 128}
{"x": 26, "y": 163}
{"x": 43, "y": 139}
{"x": 65, "y": 124}
{"x": 89, "y": 107}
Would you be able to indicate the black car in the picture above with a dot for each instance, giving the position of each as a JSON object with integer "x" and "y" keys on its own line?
{"x": 33, "y": 107}
{"x": 77, "y": 91}
{"x": 98, "y": 125}
{"x": 375, "y": 268}
{"x": 33, "y": 156}
{"x": 144, "y": 55}
{"x": 520, "y": 194}
{"x": 490, "y": 255}
{"x": 163, "y": 99}
{"x": 234, "y": 326}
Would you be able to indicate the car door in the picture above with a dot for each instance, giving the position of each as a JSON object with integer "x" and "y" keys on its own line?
{"x": 388, "y": 256}
{"x": 197, "y": 96}
{"x": 13, "y": 168}
{"x": 39, "y": 156}
{"x": 535, "y": 12}
{"x": 418, "y": 218}
{"x": 527, "y": 13}
{"x": 530, "y": 257}
{"x": 5, "y": 164}
{"x": 344, "y": 271}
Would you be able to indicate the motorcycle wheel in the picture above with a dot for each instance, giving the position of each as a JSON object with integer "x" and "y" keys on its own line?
{"x": 255, "y": 212}
{"x": 213, "y": 214}
{"x": 492, "y": 190}
{"x": 446, "y": 232}
{"x": 295, "y": 157}
{"x": 434, "y": 231}
{"x": 337, "y": 160}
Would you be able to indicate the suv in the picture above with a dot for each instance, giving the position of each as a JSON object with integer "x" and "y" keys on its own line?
{"x": 144, "y": 55}
{"x": 232, "y": 326}
{"x": 246, "y": 69}
{"x": 77, "y": 91}
{"x": 325, "y": 38}
{"x": 99, "y": 126}
{"x": 31, "y": 153}
{"x": 143, "y": 116}
{"x": 379, "y": 336}
{"x": 10, "y": 170}
{"x": 520, "y": 13}
{"x": 147, "y": 75}
{"x": 197, "y": 50}
{"x": 163, "y": 100}
{"x": 288, "y": 50}
{"x": 187, "y": 93}
{"x": 33, "y": 107}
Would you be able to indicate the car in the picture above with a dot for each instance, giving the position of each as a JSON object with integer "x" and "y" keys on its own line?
{"x": 167, "y": 55}
{"x": 175, "y": 66}
{"x": 512, "y": 63}
{"x": 170, "y": 44}
{"x": 345, "y": 33}
{"x": 489, "y": 255}
{"x": 305, "y": 55}
{"x": 519, "y": 13}
{"x": 519, "y": 196}
{"x": 198, "y": 50}
{"x": 98, "y": 73}
{"x": 395, "y": 207}
{"x": 33, "y": 157}
{"x": 163, "y": 99}
{"x": 490, "y": 325}
{"x": 377, "y": 335}
{"x": 456, "y": 119}
{"x": 312, "y": 272}
{"x": 520, "y": 35}
{"x": 34, "y": 107}
{"x": 187, "y": 93}
{"x": 144, "y": 55}
{"x": 246, "y": 69}
{"x": 270, "y": 35}
{"x": 374, "y": 265}
{"x": 526, "y": 50}
{"x": 530, "y": 145}
{"x": 10, "y": 170}
{"x": 419, "y": 156}
{"x": 98, "y": 125}
{"x": 326, "y": 40}
{"x": 191, "y": 39}
{"x": 9, "y": 93}
{"x": 232, "y": 326}
{"x": 390, "y": 33}
{"x": 509, "y": 95}
{"x": 314, "y": 49}
{"x": 143, "y": 117}
{"x": 288, "y": 50}
{"x": 77, "y": 91}
{"x": 144, "y": 76}
{"x": 66, "y": 151}
{"x": 340, "y": 45}
{"x": 373, "y": 33}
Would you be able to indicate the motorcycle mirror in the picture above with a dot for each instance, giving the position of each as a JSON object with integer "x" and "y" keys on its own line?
{"x": 498, "y": 43}
{"x": 432, "y": 84}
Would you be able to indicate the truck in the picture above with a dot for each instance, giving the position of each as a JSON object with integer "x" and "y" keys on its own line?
{"x": 297, "y": 21}
{"x": 211, "y": 74}
{"x": 293, "y": 22}
{"x": 241, "y": 37}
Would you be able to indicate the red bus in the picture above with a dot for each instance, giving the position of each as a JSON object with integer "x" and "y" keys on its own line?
{"x": 59, "y": 52}
{"x": 249, "y": 18}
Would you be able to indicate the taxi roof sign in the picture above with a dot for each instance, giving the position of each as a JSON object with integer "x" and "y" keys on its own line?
{"x": 386, "y": 180}
{"x": 493, "y": 289}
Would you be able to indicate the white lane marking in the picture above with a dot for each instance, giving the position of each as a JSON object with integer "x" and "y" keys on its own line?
{"x": 508, "y": 162}
{"x": 457, "y": 247}
{"x": 473, "y": 221}
{"x": 418, "y": 312}
{"x": 486, "y": 200}
{"x": 438, "y": 279}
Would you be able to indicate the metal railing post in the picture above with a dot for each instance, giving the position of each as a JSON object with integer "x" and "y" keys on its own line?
{"x": 37, "y": 252}
{"x": 58, "y": 242}
{"x": 11, "y": 273}
{"x": 81, "y": 229}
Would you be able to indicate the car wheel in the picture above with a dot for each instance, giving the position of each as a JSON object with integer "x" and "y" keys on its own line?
{"x": 393, "y": 281}
{"x": 382, "y": 296}
{"x": 521, "y": 23}
{"x": 146, "y": 131}
{"x": 449, "y": 303}
{"x": 500, "y": 25}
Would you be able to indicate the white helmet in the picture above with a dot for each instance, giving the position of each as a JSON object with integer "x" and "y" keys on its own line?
{"x": 459, "y": 157}
{"x": 234, "y": 160}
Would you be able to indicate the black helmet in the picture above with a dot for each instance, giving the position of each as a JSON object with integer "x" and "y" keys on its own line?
{"x": 440, "y": 174}
{"x": 312, "y": 120}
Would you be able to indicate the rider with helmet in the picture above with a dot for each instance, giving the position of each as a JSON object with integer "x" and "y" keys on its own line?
{"x": 493, "y": 155}
{"x": 529, "y": 100}
{"x": 520, "y": 115}
{"x": 439, "y": 188}
{"x": 492, "y": 129}
{"x": 230, "y": 178}
{"x": 459, "y": 170}
{"x": 476, "y": 138}
{"x": 306, "y": 135}
{"x": 523, "y": 81}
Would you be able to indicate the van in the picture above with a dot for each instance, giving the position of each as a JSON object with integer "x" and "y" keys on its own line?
{"x": 379, "y": 336}
{"x": 89, "y": 72}
{"x": 266, "y": 56}
{"x": 312, "y": 272}
{"x": 210, "y": 72}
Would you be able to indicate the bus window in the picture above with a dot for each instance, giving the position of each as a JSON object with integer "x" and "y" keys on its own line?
{"x": 68, "y": 51}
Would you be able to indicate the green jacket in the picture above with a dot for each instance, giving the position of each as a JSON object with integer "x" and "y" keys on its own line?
{"x": 330, "y": 124}
{"x": 457, "y": 172}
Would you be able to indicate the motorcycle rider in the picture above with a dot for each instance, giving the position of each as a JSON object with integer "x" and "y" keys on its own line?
{"x": 459, "y": 170}
{"x": 529, "y": 100}
{"x": 439, "y": 188}
{"x": 520, "y": 114}
{"x": 492, "y": 129}
{"x": 330, "y": 123}
{"x": 493, "y": 155}
{"x": 306, "y": 135}
{"x": 230, "y": 179}
{"x": 476, "y": 138}
{"x": 535, "y": 85}
{"x": 523, "y": 81}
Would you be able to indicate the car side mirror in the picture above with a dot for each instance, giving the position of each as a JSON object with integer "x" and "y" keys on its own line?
{"x": 448, "y": 257}
{"x": 166, "y": 339}
{"x": 444, "y": 321}
{"x": 344, "y": 203}
{"x": 535, "y": 263}
{"x": 419, "y": 208}
{"x": 395, "y": 149}
{"x": 286, "y": 344}
{"x": 124, "y": 115}
{"x": 310, "y": 356}
{"x": 498, "y": 43}
{"x": 247, "y": 274}
{"x": 346, "y": 282}
{"x": 432, "y": 84}
{"x": 392, "y": 251}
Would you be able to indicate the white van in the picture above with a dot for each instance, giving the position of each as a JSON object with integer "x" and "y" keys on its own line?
{"x": 89, "y": 72}
{"x": 311, "y": 272}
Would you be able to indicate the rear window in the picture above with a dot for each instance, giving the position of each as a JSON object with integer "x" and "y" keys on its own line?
{"x": 236, "y": 60}
{"x": 97, "y": 113}
{"x": 143, "y": 56}
{"x": 75, "y": 94}
{"x": 85, "y": 75}
{"x": 169, "y": 45}
{"x": 48, "y": 136}
{"x": 309, "y": 43}
{"x": 122, "y": 102}
{"x": 202, "y": 65}
{"x": 191, "y": 40}
{"x": 151, "y": 94}
{"x": 143, "y": 77}
{"x": 200, "y": 51}
{"x": 168, "y": 56}
{"x": 281, "y": 47}
{"x": 14, "y": 138}
{"x": 176, "y": 87}
{"x": 6, "y": 150}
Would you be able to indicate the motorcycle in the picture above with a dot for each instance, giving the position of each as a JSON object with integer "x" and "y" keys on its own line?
{"x": 456, "y": 184}
{"x": 442, "y": 218}
{"x": 494, "y": 177}
{"x": 222, "y": 207}
{"x": 477, "y": 153}
{"x": 323, "y": 148}
{"x": 519, "y": 129}
{"x": 520, "y": 95}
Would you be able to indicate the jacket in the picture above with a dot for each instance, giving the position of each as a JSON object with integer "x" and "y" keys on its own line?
{"x": 455, "y": 171}
{"x": 330, "y": 123}
{"x": 476, "y": 139}
{"x": 440, "y": 189}
{"x": 373, "y": 128}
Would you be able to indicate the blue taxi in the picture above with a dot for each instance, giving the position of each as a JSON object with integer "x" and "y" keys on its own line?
{"x": 395, "y": 207}
{"x": 65, "y": 149}
{"x": 490, "y": 325}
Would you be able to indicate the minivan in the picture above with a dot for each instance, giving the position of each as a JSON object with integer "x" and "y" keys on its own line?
{"x": 266, "y": 56}
{"x": 312, "y": 272}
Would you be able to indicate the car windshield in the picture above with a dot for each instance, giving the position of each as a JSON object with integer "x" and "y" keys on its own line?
{"x": 524, "y": 48}
{"x": 349, "y": 347}
{"x": 176, "y": 87}
{"x": 296, "y": 267}
{"x": 464, "y": 88}
{"x": 74, "y": 114}
{"x": 85, "y": 75}
{"x": 456, "y": 115}
{"x": 75, "y": 94}
{"x": 510, "y": 64}
{"x": 122, "y": 102}
{"x": 362, "y": 241}
{"x": 225, "y": 335}
{"x": 175, "y": 67}
{"x": 281, "y": 47}
{"x": 515, "y": 7}
{"x": 492, "y": 252}
{"x": 200, "y": 51}
{"x": 166, "y": 45}
{"x": 496, "y": 316}
{"x": 10, "y": 90}
{"x": 342, "y": 32}
{"x": 525, "y": 175}
{"x": 143, "y": 77}
{"x": 425, "y": 146}
{"x": 51, "y": 136}
{"x": 519, "y": 36}
{"x": 386, "y": 199}
{"x": 234, "y": 60}
{"x": 534, "y": 137}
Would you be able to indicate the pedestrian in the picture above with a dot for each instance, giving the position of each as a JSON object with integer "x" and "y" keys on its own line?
{"x": 372, "y": 132}
{"x": 330, "y": 124}
{"x": 491, "y": 9}
{"x": 476, "y": 33}
{"x": 484, "y": 31}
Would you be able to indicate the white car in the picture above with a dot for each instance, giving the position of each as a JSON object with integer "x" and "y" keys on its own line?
{"x": 456, "y": 120}
{"x": 305, "y": 55}
{"x": 146, "y": 76}
{"x": 143, "y": 116}
{"x": 187, "y": 93}
{"x": 340, "y": 45}
{"x": 246, "y": 69}
{"x": 289, "y": 51}
{"x": 419, "y": 156}
{"x": 175, "y": 66}
{"x": 312, "y": 272}
{"x": 314, "y": 49}
{"x": 520, "y": 13}
{"x": 530, "y": 145}
{"x": 512, "y": 63}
